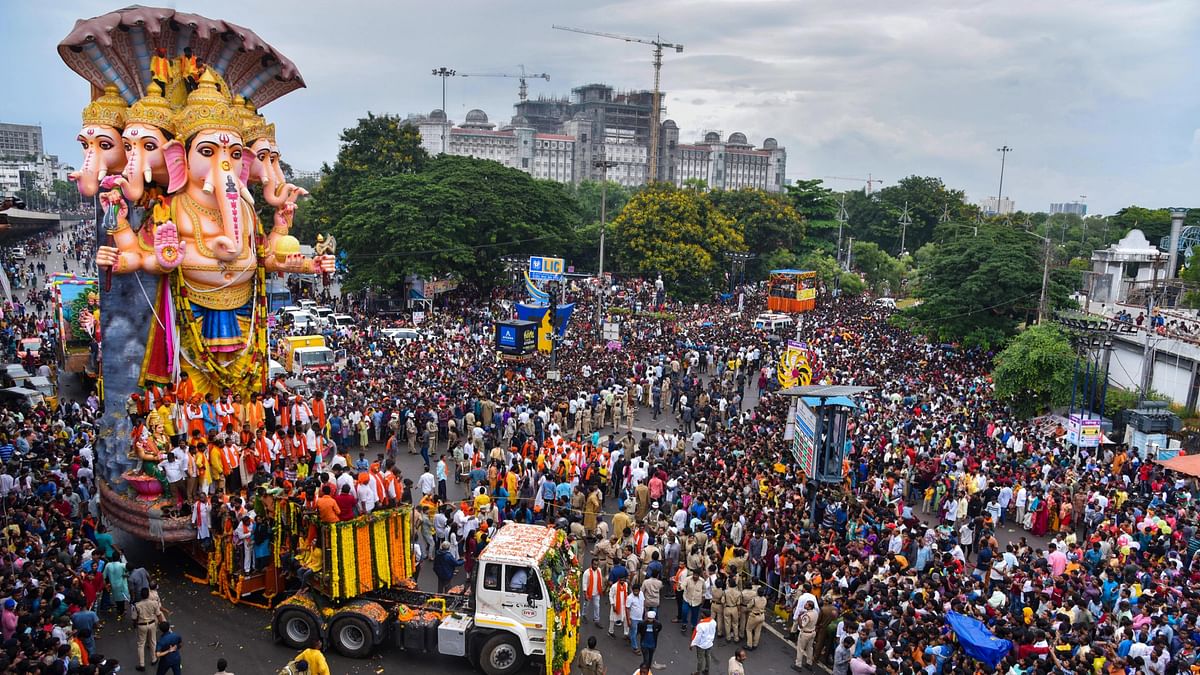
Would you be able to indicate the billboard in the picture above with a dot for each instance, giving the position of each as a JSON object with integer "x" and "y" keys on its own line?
{"x": 804, "y": 438}
{"x": 516, "y": 338}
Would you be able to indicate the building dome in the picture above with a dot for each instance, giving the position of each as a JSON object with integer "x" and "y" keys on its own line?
{"x": 438, "y": 115}
{"x": 477, "y": 116}
{"x": 712, "y": 137}
{"x": 737, "y": 138}
{"x": 520, "y": 121}
{"x": 670, "y": 124}
{"x": 770, "y": 144}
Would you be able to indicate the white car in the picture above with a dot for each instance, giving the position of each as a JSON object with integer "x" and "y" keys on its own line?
{"x": 304, "y": 322}
{"x": 342, "y": 320}
{"x": 307, "y": 304}
{"x": 402, "y": 335}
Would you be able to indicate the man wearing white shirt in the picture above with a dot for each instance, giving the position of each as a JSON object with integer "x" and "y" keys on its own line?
{"x": 427, "y": 483}
{"x": 365, "y": 492}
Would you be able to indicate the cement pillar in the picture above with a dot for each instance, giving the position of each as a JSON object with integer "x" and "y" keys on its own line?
{"x": 1177, "y": 216}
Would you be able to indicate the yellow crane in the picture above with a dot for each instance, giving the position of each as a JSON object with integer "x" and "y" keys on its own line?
{"x": 523, "y": 91}
{"x": 659, "y": 44}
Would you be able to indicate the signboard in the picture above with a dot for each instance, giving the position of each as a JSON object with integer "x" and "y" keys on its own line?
{"x": 418, "y": 317}
{"x": 804, "y": 438}
{"x": 1083, "y": 432}
{"x": 516, "y": 338}
{"x": 436, "y": 287}
{"x": 808, "y": 294}
{"x": 545, "y": 269}
{"x": 612, "y": 331}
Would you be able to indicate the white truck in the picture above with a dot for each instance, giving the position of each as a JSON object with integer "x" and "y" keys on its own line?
{"x": 522, "y": 605}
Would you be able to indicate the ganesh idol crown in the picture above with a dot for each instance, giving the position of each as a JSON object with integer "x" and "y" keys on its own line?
{"x": 172, "y": 142}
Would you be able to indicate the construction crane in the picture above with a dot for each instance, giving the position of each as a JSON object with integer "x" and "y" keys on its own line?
{"x": 869, "y": 181}
{"x": 656, "y": 109}
{"x": 523, "y": 91}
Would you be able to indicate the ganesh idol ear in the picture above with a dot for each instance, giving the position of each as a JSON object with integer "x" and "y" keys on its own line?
{"x": 176, "y": 165}
{"x": 249, "y": 162}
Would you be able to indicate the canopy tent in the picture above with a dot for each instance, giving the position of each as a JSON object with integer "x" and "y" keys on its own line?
{"x": 1186, "y": 464}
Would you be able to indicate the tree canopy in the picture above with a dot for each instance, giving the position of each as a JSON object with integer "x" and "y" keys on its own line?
{"x": 768, "y": 223}
{"x": 1035, "y": 371}
{"x": 978, "y": 289}
{"x": 678, "y": 233}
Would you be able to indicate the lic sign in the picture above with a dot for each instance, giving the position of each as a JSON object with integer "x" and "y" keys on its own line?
{"x": 545, "y": 269}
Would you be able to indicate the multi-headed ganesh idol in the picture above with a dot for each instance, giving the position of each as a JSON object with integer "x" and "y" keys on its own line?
{"x": 200, "y": 233}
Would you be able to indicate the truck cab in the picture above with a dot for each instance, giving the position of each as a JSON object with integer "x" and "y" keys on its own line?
{"x": 306, "y": 353}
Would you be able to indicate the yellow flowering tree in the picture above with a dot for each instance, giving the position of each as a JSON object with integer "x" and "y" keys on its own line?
{"x": 676, "y": 233}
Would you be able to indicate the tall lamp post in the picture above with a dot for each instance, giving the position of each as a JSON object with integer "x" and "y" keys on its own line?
{"x": 1045, "y": 274}
{"x": 444, "y": 72}
{"x": 604, "y": 165}
{"x": 1003, "y": 150}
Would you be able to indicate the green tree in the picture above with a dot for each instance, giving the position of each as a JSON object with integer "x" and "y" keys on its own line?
{"x": 378, "y": 146}
{"x": 876, "y": 217}
{"x": 458, "y": 215}
{"x": 768, "y": 222}
{"x": 880, "y": 270}
{"x": 678, "y": 233}
{"x": 977, "y": 290}
{"x": 1034, "y": 371}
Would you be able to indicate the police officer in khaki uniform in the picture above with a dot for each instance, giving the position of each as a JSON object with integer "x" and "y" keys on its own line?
{"x": 717, "y": 602}
{"x": 147, "y": 612}
{"x": 758, "y": 614}
{"x": 733, "y": 603}
{"x": 747, "y": 601}
{"x": 591, "y": 661}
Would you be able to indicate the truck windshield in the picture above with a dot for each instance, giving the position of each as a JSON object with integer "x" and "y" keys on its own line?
{"x": 323, "y": 357}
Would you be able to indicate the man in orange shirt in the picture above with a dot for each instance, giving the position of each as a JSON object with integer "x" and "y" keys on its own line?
{"x": 327, "y": 506}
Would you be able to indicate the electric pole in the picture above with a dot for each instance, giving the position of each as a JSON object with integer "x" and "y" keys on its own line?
{"x": 841, "y": 221}
{"x": 905, "y": 221}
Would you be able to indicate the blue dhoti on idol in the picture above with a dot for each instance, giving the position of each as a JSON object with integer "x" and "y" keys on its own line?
{"x": 222, "y": 328}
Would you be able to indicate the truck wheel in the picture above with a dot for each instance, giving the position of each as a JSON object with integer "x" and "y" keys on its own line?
{"x": 501, "y": 655}
{"x": 352, "y": 637}
{"x": 296, "y": 629}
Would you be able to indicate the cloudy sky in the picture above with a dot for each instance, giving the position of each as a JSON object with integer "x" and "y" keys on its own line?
{"x": 1097, "y": 97}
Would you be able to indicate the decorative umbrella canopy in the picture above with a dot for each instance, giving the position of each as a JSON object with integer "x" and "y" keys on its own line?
{"x": 117, "y": 48}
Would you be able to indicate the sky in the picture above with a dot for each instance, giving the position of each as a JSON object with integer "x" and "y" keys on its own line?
{"x": 1096, "y": 97}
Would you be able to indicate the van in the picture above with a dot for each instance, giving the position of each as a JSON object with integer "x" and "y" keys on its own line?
{"x": 304, "y": 322}
{"x": 886, "y": 302}
{"x": 342, "y": 320}
{"x": 307, "y": 304}
{"x": 45, "y": 387}
{"x": 21, "y": 398}
{"x": 773, "y": 322}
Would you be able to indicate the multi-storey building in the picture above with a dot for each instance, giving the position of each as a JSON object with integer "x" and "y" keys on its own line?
{"x": 20, "y": 141}
{"x": 519, "y": 145}
{"x": 1078, "y": 208}
{"x": 564, "y": 139}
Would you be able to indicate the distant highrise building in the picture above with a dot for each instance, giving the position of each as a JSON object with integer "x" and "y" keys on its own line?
{"x": 20, "y": 141}
{"x": 24, "y": 166}
{"x": 1078, "y": 208}
{"x": 990, "y": 207}
{"x": 561, "y": 139}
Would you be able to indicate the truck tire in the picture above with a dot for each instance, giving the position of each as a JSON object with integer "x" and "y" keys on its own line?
{"x": 501, "y": 655}
{"x": 351, "y": 636}
{"x": 296, "y": 628}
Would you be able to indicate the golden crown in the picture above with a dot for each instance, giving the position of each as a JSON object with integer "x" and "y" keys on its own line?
{"x": 207, "y": 108}
{"x": 109, "y": 109}
{"x": 256, "y": 126}
{"x": 153, "y": 110}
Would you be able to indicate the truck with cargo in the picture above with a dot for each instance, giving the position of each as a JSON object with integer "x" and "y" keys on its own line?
{"x": 520, "y": 606}
{"x": 306, "y": 353}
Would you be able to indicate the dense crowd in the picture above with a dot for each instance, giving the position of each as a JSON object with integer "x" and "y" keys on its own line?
{"x": 663, "y": 455}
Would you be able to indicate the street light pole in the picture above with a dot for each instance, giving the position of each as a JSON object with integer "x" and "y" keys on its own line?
{"x": 604, "y": 165}
{"x": 444, "y": 72}
{"x": 1003, "y": 150}
{"x": 1045, "y": 275}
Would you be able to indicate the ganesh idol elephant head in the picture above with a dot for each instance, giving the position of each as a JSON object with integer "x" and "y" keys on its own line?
{"x": 266, "y": 167}
{"x": 210, "y": 164}
{"x": 148, "y": 131}
{"x": 100, "y": 137}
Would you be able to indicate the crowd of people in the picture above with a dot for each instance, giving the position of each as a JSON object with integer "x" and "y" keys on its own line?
{"x": 663, "y": 456}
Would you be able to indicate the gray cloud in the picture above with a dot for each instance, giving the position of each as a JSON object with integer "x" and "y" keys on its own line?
{"x": 1095, "y": 96}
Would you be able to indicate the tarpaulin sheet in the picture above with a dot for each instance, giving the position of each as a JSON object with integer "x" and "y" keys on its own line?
{"x": 976, "y": 640}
